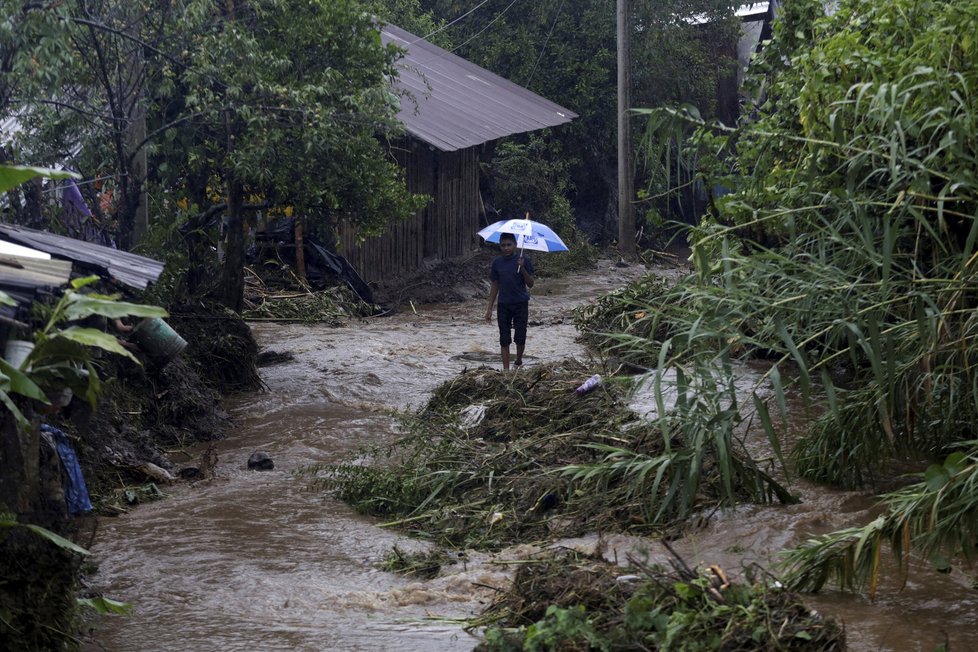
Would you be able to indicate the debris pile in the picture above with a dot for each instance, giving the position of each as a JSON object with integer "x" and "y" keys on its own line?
{"x": 281, "y": 296}
{"x": 497, "y": 458}
{"x": 565, "y": 601}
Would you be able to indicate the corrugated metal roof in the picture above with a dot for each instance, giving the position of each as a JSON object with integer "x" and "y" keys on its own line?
{"x": 11, "y": 249}
{"x": 129, "y": 269}
{"x": 34, "y": 272}
{"x": 456, "y": 104}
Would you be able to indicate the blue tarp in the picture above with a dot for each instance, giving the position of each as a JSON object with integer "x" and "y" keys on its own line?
{"x": 76, "y": 493}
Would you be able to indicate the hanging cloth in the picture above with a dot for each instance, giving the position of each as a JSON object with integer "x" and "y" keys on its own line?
{"x": 76, "y": 493}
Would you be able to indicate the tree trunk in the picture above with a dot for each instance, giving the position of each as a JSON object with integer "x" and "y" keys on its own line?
{"x": 135, "y": 134}
{"x": 232, "y": 273}
{"x": 607, "y": 173}
{"x": 34, "y": 200}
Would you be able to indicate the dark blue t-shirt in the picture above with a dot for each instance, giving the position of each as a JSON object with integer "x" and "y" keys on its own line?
{"x": 512, "y": 287}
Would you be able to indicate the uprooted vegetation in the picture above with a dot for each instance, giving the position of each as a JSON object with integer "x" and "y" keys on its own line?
{"x": 497, "y": 458}
{"x": 281, "y": 300}
{"x": 634, "y": 313}
{"x": 333, "y": 307}
{"x": 564, "y": 601}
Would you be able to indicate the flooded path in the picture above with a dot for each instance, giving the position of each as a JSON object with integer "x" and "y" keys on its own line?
{"x": 254, "y": 561}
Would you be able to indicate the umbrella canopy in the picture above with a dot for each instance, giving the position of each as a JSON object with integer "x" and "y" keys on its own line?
{"x": 529, "y": 235}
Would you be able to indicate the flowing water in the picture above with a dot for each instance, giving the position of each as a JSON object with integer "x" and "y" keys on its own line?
{"x": 253, "y": 560}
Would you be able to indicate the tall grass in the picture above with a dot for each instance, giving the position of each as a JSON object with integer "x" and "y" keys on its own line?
{"x": 937, "y": 516}
{"x": 846, "y": 255}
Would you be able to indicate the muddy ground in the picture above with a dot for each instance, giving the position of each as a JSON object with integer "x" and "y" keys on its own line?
{"x": 444, "y": 281}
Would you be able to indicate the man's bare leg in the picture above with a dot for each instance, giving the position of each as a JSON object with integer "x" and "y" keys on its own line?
{"x": 519, "y": 355}
{"x": 504, "y": 350}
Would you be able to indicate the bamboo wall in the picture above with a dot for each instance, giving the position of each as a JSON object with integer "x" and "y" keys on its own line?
{"x": 445, "y": 228}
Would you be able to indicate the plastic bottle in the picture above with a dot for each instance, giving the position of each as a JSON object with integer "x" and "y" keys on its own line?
{"x": 589, "y": 384}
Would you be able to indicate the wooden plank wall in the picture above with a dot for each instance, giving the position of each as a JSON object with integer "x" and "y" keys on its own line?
{"x": 443, "y": 229}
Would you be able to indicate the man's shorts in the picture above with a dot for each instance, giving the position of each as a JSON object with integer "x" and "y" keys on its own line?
{"x": 512, "y": 316}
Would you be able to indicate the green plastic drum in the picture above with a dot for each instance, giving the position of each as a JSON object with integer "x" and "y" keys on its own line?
{"x": 158, "y": 339}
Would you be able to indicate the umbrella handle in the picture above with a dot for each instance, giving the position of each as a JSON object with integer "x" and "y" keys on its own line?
{"x": 519, "y": 266}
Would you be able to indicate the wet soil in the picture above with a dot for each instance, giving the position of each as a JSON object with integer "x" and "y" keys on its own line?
{"x": 447, "y": 281}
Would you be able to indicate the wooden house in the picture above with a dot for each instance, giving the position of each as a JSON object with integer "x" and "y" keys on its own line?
{"x": 451, "y": 110}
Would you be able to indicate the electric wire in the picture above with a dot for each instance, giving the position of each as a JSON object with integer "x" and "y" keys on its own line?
{"x": 488, "y": 25}
{"x": 447, "y": 25}
{"x": 543, "y": 48}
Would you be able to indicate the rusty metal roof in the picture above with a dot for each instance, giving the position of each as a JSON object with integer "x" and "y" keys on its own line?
{"x": 455, "y": 104}
{"x": 129, "y": 269}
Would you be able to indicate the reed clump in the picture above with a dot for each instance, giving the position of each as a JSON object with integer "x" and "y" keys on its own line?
{"x": 845, "y": 253}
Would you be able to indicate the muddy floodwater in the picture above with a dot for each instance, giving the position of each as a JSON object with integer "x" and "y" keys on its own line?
{"x": 255, "y": 561}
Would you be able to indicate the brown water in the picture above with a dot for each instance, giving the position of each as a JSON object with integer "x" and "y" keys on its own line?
{"x": 254, "y": 561}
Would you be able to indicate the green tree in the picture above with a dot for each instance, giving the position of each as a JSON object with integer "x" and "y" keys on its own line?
{"x": 409, "y": 15}
{"x": 256, "y": 103}
{"x": 108, "y": 61}
{"x": 33, "y": 49}
{"x": 293, "y": 104}
{"x": 34, "y": 54}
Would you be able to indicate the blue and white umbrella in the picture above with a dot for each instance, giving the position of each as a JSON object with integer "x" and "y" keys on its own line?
{"x": 529, "y": 235}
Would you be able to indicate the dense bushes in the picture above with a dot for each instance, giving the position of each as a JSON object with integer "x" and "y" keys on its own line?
{"x": 846, "y": 250}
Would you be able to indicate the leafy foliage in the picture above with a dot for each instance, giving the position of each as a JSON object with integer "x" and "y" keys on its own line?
{"x": 846, "y": 250}
{"x": 532, "y": 178}
{"x": 301, "y": 92}
{"x": 12, "y": 176}
{"x": 936, "y": 516}
{"x": 563, "y": 603}
{"x": 60, "y": 357}
{"x": 566, "y": 52}
{"x": 10, "y": 520}
{"x": 625, "y": 320}
{"x": 33, "y": 52}
{"x": 260, "y": 103}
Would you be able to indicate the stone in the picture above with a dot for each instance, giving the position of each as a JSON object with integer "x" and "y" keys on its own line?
{"x": 190, "y": 473}
{"x": 260, "y": 461}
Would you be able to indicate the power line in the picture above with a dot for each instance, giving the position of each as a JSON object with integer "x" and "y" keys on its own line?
{"x": 447, "y": 25}
{"x": 544, "y": 46}
{"x": 488, "y": 25}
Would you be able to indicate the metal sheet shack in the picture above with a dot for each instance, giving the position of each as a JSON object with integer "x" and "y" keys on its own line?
{"x": 33, "y": 263}
{"x": 452, "y": 110}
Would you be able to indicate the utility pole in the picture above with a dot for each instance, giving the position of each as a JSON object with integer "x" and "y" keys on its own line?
{"x": 626, "y": 181}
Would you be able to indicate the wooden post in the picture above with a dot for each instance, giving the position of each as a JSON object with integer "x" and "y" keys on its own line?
{"x": 626, "y": 213}
{"x": 300, "y": 252}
